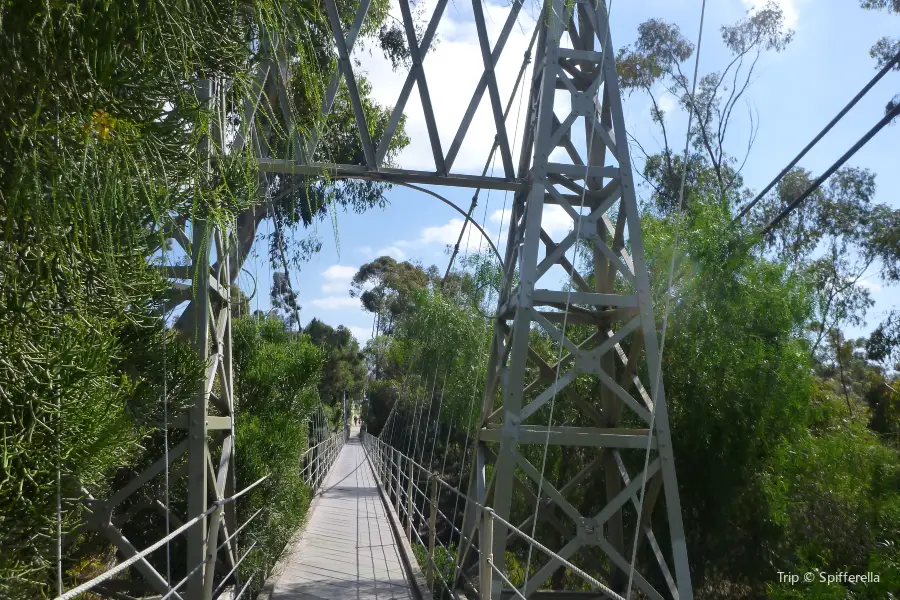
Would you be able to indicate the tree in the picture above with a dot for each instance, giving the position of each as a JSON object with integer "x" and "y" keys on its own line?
{"x": 276, "y": 375}
{"x": 657, "y": 58}
{"x": 885, "y": 48}
{"x": 836, "y": 235}
{"x": 99, "y": 148}
{"x": 296, "y": 203}
{"x": 883, "y": 346}
{"x": 344, "y": 370}
{"x": 391, "y": 286}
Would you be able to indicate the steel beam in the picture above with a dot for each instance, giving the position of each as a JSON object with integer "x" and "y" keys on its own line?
{"x": 197, "y": 429}
{"x": 287, "y": 167}
{"x": 352, "y": 89}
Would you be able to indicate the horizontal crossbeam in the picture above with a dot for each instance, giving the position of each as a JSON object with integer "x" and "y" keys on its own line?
{"x": 288, "y": 167}
{"x": 574, "y": 436}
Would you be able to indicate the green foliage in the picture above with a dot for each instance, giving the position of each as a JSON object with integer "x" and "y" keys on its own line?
{"x": 445, "y": 342}
{"x": 274, "y": 365}
{"x": 344, "y": 368}
{"x": 835, "y": 497}
{"x": 89, "y": 160}
{"x": 394, "y": 285}
{"x": 737, "y": 380}
{"x": 444, "y": 565}
{"x": 276, "y": 376}
{"x": 100, "y": 130}
{"x": 885, "y": 48}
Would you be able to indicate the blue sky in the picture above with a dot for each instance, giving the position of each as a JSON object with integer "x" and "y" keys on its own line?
{"x": 794, "y": 94}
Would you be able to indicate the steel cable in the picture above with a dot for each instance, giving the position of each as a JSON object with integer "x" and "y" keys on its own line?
{"x": 665, "y": 325}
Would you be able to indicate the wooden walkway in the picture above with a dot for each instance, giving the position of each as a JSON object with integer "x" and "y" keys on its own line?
{"x": 347, "y": 550}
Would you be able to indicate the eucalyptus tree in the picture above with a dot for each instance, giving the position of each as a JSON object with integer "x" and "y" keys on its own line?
{"x": 838, "y": 236}
{"x": 886, "y": 47}
{"x": 386, "y": 287}
{"x": 657, "y": 59}
{"x": 344, "y": 370}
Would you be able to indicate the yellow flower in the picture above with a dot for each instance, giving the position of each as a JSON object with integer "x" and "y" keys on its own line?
{"x": 102, "y": 123}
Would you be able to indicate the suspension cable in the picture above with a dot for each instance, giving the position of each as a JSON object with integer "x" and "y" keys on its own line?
{"x": 59, "y": 414}
{"x": 424, "y": 433}
{"x": 865, "y": 90}
{"x": 437, "y": 422}
{"x": 465, "y": 449}
{"x": 487, "y": 340}
{"x": 665, "y": 325}
{"x": 885, "y": 120}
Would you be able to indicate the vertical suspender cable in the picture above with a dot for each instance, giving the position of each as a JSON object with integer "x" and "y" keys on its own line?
{"x": 487, "y": 342}
{"x": 590, "y": 142}
{"x": 424, "y": 432}
{"x": 665, "y": 325}
{"x": 165, "y": 393}
{"x": 59, "y": 569}
{"x": 437, "y": 422}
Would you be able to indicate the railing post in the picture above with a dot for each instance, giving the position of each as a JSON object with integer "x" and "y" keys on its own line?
{"x": 487, "y": 556}
{"x": 397, "y": 484}
{"x": 432, "y": 531}
{"x": 409, "y": 502}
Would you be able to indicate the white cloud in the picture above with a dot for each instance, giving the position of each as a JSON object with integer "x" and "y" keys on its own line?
{"x": 337, "y": 278}
{"x": 667, "y": 103}
{"x": 362, "y": 334}
{"x": 442, "y": 234}
{"x": 872, "y": 286}
{"x": 335, "y": 302}
{"x": 394, "y": 251}
{"x": 366, "y": 251}
{"x": 453, "y": 68}
{"x": 788, "y": 6}
{"x": 555, "y": 220}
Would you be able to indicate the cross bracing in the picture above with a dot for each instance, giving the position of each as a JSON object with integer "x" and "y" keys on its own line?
{"x": 573, "y": 88}
{"x": 573, "y": 155}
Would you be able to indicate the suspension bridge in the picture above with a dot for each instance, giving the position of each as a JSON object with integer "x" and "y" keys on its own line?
{"x": 384, "y": 522}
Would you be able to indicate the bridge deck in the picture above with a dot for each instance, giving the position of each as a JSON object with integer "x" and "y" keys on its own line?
{"x": 347, "y": 550}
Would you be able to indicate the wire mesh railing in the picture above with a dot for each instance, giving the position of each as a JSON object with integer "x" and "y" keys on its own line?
{"x": 399, "y": 477}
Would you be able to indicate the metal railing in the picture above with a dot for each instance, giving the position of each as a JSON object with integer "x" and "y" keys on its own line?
{"x": 399, "y": 477}
{"x": 315, "y": 464}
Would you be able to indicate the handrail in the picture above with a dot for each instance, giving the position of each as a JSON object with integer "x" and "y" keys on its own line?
{"x": 314, "y": 470}
{"x": 382, "y": 456}
{"x": 318, "y": 467}
{"x": 89, "y": 585}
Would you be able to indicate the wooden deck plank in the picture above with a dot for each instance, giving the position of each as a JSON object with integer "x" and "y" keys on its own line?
{"x": 347, "y": 550}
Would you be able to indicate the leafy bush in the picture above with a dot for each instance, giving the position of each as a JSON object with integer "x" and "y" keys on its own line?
{"x": 834, "y": 496}
{"x": 276, "y": 377}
